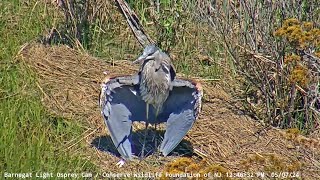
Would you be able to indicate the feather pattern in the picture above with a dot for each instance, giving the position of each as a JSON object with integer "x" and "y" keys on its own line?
{"x": 155, "y": 77}
{"x": 121, "y": 104}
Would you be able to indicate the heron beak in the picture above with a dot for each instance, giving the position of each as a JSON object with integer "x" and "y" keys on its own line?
{"x": 142, "y": 58}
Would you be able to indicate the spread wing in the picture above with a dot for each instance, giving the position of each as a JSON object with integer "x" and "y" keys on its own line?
{"x": 180, "y": 111}
{"x": 121, "y": 104}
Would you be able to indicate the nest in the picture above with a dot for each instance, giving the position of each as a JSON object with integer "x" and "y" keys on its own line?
{"x": 70, "y": 85}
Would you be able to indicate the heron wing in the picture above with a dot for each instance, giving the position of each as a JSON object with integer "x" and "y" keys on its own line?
{"x": 121, "y": 105}
{"x": 180, "y": 111}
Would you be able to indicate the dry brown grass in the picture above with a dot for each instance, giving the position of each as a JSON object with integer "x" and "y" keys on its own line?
{"x": 261, "y": 40}
{"x": 70, "y": 84}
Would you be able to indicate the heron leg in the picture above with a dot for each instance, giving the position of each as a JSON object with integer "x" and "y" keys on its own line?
{"x": 155, "y": 136}
{"x": 155, "y": 133}
{"x": 145, "y": 132}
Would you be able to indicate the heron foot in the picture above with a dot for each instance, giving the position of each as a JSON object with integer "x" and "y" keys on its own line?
{"x": 121, "y": 163}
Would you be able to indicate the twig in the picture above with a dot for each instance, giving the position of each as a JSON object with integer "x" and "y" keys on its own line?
{"x": 81, "y": 138}
{"x": 134, "y": 24}
{"x": 42, "y": 91}
{"x": 199, "y": 153}
{"x": 269, "y": 141}
{"x": 210, "y": 79}
{"x": 258, "y": 56}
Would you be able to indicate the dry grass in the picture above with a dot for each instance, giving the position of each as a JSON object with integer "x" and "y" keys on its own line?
{"x": 70, "y": 84}
{"x": 262, "y": 37}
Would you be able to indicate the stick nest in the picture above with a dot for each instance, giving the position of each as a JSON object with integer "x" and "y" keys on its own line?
{"x": 221, "y": 137}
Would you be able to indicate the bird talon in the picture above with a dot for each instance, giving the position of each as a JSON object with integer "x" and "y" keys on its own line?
{"x": 121, "y": 163}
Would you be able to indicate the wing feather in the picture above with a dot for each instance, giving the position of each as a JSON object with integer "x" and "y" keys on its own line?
{"x": 180, "y": 111}
{"x": 121, "y": 104}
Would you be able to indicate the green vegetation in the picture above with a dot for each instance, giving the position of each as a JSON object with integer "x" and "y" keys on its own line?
{"x": 103, "y": 32}
{"x": 275, "y": 58}
{"x": 30, "y": 139}
{"x": 255, "y": 46}
{"x": 249, "y": 43}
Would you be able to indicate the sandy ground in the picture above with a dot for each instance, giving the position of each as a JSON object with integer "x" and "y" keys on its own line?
{"x": 222, "y": 136}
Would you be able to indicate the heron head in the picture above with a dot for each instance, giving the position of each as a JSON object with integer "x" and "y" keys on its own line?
{"x": 149, "y": 53}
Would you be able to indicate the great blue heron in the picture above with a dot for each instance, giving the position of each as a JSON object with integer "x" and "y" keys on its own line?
{"x": 155, "y": 76}
{"x": 124, "y": 99}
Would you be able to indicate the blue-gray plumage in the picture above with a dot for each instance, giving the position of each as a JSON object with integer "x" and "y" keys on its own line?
{"x": 122, "y": 104}
{"x": 155, "y": 76}
{"x": 156, "y": 73}
{"x": 127, "y": 99}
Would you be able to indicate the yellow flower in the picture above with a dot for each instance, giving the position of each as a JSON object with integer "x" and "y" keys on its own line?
{"x": 291, "y": 58}
{"x": 308, "y": 36}
{"x": 299, "y": 35}
{"x": 307, "y": 26}
{"x": 280, "y": 32}
{"x": 293, "y": 30}
{"x": 291, "y": 22}
{"x": 299, "y": 75}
